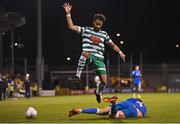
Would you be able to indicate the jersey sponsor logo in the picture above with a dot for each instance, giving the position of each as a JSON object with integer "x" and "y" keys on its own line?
{"x": 95, "y": 40}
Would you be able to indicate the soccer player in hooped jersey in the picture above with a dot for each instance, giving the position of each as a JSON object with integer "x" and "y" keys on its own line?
{"x": 132, "y": 107}
{"x": 136, "y": 77}
{"x": 93, "y": 41}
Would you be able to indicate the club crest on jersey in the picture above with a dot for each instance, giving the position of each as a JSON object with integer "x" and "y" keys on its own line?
{"x": 95, "y": 40}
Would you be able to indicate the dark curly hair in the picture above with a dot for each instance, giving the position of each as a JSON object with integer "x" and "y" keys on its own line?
{"x": 100, "y": 17}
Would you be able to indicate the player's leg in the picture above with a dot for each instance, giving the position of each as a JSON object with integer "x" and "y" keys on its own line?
{"x": 4, "y": 93}
{"x": 25, "y": 94}
{"x": 102, "y": 111}
{"x": 80, "y": 67}
{"x": 101, "y": 72}
{"x": 97, "y": 81}
{"x": 101, "y": 87}
{"x": 29, "y": 94}
{"x": 0, "y": 92}
{"x": 139, "y": 90}
{"x": 134, "y": 92}
{"x": 134, "y": 89}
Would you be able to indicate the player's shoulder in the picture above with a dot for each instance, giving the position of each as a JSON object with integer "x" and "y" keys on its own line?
{"x": 129, "y": 99}
{"x": 132, "y": 99}
{"x": 104, "y": 32}
{"x": 88, "y": 28}
{"x": 85, "y": 27}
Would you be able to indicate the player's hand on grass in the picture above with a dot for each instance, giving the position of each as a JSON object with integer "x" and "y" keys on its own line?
{"x": 67, "y": 8}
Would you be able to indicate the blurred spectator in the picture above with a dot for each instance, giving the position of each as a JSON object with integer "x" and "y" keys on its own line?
{"x": 11, "y": 87}
{"x": 4, "y": 86}
{"x": 19, "y": 86}
{"x": 1, "y": 83}
{"x": 34, "y": 90}
{"x": 27, "y": 86}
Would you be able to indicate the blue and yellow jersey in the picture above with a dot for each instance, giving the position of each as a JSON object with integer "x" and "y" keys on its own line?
{"x": 139, "y": 105}
{"x": 136, "y": 75}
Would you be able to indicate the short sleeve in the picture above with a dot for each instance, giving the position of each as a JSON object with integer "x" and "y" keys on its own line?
{"x": 81, "y": 29}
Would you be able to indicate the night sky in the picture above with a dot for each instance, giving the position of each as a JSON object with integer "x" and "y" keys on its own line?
{"x": 147, "y": 26}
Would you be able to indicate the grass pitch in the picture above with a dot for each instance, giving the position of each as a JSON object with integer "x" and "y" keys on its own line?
{"x": 162, "y": 108}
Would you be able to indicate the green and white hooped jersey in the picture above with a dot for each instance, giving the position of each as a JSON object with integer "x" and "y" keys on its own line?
{"x": 97, "y": 46}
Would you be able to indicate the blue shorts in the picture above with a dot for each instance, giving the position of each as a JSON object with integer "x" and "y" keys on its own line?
{"x": 137, "y": 83}
{"x": 128, "y": 109}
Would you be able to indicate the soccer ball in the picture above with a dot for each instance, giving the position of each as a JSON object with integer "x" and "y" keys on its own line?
{"x": 31, "y": 112}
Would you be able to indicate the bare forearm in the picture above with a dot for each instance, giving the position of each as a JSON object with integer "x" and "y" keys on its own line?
{"x": 70, "y": 24}
{"x": 69, "y": 21}
{"x": 116, "y": 48}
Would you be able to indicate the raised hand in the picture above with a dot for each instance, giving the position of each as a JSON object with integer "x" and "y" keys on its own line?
{"x": 67, "y": 8}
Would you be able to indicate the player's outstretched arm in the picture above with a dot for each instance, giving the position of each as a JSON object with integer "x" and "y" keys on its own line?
{"x": 67, "y": 7}
{"x": 117, "y": 49}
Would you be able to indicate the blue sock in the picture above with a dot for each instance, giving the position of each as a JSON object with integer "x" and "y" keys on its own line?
{"x": 90, "y": 110}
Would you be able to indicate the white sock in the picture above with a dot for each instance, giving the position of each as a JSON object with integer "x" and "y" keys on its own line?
{"x": 78, "y": 73}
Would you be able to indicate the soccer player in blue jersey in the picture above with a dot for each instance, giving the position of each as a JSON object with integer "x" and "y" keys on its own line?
{"x": 136, "y": 77}
{"x": 132, "y": 107}
{"x": 93, "y": 47}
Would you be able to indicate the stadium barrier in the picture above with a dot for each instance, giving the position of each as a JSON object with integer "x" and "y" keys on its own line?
{"x": 47, "y": 93}
{"x": 62, "y": 91}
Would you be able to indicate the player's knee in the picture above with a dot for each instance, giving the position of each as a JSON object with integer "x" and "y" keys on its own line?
{"x": 104, "y": 111}
{"x": 134, "y": 89}
{"x": 103, "y": 78}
